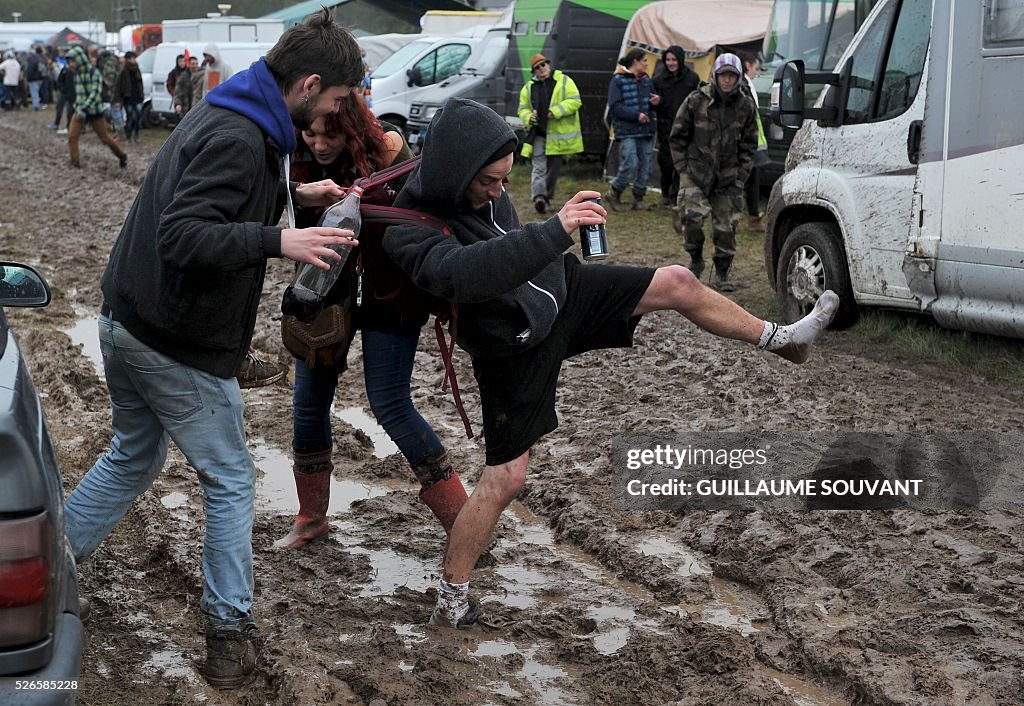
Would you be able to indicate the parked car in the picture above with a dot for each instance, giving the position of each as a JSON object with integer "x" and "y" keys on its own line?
{"x": 41, "y": 635}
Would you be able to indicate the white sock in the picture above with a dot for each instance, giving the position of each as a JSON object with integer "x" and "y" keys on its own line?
{"x": 452, "y": 600}
{"x": 794, "y": 342}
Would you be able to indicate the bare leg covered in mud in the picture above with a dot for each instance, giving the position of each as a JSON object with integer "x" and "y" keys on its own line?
{"x": 675, "y": 288}
{"x": 672, "y": 288}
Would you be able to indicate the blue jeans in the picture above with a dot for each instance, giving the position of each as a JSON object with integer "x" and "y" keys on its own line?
{"x": 634, "y": 159}
{"x": 387, "y": 370}
{"x": 33, "y": 89}
{"x": 153, "y": 398}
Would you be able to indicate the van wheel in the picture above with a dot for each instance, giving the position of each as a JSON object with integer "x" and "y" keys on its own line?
{"x": 149, "y": 118}
{"x": 812, "y": 261}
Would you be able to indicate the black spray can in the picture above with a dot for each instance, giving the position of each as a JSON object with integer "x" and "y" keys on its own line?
{"x": 593, "y": 240}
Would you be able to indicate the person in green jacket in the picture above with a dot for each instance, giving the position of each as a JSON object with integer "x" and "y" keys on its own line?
{"x": 549, "y": 105}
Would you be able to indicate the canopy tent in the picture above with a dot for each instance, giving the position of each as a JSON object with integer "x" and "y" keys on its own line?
{"x": 699, "y": 27}
{"x": 68, "y": 38}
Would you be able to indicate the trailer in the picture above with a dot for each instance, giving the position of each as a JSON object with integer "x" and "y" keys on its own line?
{"x": 223, "y": 28}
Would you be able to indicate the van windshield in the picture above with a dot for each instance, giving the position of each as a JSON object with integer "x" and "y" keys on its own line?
{"x": 400, "y": 58}
{"x": 494, "y": 53}
{"x": 145, "y": 60}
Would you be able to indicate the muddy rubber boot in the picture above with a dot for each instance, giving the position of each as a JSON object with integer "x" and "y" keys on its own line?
{"x": 312, "y": 473}
{"x": 441, "y": 489}
{"x": 230, "y": 658}
{"x": 614, "y": 198}
{"x": 721, "y": 281}
{"x": 445, "y": 499}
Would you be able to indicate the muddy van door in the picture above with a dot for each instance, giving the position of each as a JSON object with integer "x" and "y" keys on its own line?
{"x": 967, "y": 262}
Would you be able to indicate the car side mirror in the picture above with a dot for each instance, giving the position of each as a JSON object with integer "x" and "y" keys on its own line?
{"x": 414, "y": 76}
{"x": 20, "y": 285}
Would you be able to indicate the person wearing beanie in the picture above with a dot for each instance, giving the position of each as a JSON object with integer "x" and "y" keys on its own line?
{"x": 549, "y": 106}
{"x": 713, "y": 141}
{"x": 673, "y": 82}
{"x": 633, "y": 122}
{"x": 525, "y": 305}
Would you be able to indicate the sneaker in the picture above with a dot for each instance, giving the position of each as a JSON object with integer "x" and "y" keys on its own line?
{"x": 230, "y": 658}
{"x": 614, "y": 199}
{"x": 257, "y": 372}
{"x": 475, "y": 619}
{"x": 541, "y": 204}
{"x": 123, "y": 159}
{"x": 53, "y": 126}
{"x": 62, "y": 131}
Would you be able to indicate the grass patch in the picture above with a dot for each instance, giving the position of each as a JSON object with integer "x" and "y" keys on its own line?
{"x": 647, "y": 238}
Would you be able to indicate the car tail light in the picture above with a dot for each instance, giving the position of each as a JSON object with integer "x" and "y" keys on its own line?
{"x": 27, "y": 555}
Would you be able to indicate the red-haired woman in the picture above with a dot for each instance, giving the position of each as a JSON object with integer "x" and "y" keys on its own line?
{"x": 343, "y": 147}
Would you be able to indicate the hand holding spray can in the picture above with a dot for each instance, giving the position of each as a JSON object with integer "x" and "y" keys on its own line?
{"x": 593, "y": 239}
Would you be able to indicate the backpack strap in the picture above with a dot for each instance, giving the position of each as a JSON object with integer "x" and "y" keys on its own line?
{"x": 390, "y": 215}
{"x": 386, "y": 175}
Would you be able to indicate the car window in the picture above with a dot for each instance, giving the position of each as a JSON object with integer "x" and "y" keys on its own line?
{"x": 400, "y": 58}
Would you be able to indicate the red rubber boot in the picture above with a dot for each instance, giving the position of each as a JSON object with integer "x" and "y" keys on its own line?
{"x": 313, "y": 485}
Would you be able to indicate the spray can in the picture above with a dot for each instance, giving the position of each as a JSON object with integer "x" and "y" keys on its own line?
{"x": 594, "y": 240}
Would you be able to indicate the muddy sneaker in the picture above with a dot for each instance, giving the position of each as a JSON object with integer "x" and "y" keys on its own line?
{"x": 540, "y": 204}
{"x": 257, "y": 372}
{"x": 614, "y": 198}
{"x": 475, "y": 619}
{"x": 230, "y": 658}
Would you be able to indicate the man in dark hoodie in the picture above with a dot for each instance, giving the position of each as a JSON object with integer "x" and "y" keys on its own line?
{"x": 525, "y": 306}
{"x": 180, "y": 295}
{"x": 673, "y": 82}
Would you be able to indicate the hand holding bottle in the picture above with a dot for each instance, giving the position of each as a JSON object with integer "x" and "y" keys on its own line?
{"x": 309, "y": 245}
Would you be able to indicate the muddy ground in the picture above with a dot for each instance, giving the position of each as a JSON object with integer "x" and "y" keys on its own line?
{"x": 605, "y": 605}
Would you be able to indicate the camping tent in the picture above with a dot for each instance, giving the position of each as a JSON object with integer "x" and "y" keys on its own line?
{"x": 700, "y": 27}
{"x": 67, "y": 38}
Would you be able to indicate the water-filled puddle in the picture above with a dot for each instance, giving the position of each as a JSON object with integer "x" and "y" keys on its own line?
{"x": 275, "y": 484}
{"x": 85, "y": 333}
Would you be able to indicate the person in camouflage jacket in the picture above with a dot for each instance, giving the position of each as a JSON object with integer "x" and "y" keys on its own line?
{"x": 713, "y": 141}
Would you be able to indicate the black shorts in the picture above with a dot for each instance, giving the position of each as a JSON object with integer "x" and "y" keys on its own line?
{"x": 517, "y": 392}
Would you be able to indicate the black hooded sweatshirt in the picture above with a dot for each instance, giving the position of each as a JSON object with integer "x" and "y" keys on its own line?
{"x": 673, "y": 89}
{"x": 508, "y": 279}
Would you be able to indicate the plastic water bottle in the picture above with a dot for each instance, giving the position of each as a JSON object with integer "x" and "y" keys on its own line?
{"x": 304, "y": 299}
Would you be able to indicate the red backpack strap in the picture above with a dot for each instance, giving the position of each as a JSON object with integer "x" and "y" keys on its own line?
{"x": 385, "y": 175}
{"x": 449, "y": 369}
{"x": 391, "y": 215}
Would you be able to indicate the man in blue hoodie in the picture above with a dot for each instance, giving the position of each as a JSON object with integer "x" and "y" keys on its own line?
{"x": 525, "y": 306}
{"x": 180, "y": 295}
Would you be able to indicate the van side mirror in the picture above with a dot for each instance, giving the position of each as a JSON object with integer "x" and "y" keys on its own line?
{"x": 788, "y": 95}
{"x": 414, "y": 76}
{"x": 787, "y": 106}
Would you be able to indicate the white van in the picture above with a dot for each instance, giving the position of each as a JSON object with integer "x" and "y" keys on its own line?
{"x": 400, "y": 79}
{"x": 904, "y": 192}
{"x": 225, "y": 28}
{"x": 234, "y": 56}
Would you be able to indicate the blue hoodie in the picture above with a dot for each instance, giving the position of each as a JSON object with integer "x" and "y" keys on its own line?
{"x": 253, "y": 92}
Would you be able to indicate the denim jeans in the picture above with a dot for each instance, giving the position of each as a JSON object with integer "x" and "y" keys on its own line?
{"x": 634, "y": 160}
{"x": 153, "y": 398}
{"x": 387, "y": 371}
{"x": 132, "y": 118}
{"x": 33, "y": 89}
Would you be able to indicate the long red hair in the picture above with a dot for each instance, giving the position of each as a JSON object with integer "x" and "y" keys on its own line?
{"x": 361, "y": 133}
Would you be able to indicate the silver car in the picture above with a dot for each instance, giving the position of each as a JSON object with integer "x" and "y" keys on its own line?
{"x": 41, "y": 635}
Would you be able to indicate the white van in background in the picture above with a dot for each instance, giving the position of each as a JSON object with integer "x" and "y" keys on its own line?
{"x": 234, "y": 56}
{"x": 412, "y": 70}
{"x": 903, "y": 188}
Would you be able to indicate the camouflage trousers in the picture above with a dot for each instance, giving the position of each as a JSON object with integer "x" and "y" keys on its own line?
{"x": 694, "y": 207}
